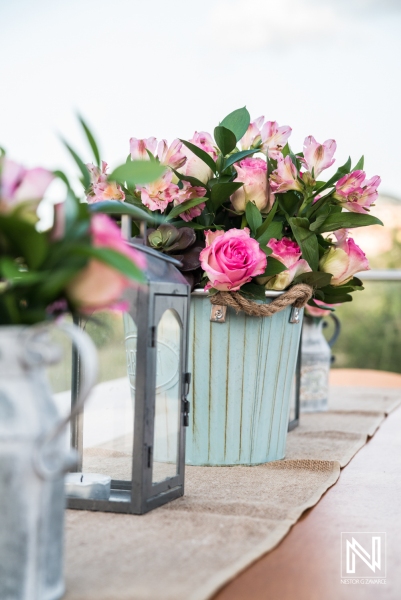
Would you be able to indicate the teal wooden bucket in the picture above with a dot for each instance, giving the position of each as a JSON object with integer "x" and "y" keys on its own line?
{"x": 243, "y": 373}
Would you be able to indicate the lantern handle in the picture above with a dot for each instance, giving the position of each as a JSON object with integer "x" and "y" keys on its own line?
{"x": 37, "y": 353}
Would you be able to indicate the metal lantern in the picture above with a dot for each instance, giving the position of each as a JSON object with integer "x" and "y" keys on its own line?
{"x": 140, "y": 466}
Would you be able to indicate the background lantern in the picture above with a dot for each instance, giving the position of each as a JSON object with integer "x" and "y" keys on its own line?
{"x": 131, "y": 437}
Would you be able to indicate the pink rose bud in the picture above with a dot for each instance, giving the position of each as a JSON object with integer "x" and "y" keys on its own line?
{"x": 98, "y": 286}
{"x": 356, "y": 193}
{"x": 252, "y": 172}
{"x": 231, "y": 259}
{"x": 318, "y": 157}
{"x": 343, "y": 260}
{"x": 195, "y": 167}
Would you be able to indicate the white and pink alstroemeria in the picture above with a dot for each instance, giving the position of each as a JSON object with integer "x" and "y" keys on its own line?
{"x": 139, "y": 148}
{"x": 285, "y": 177}
{"x": 274, "y": 138}
{"x": 171, "y": 156}
{"x": 269, "y": 136}
{"x": 289, "y": 253}
{"x": 344, "y": 259}
{"x": 189, "y": 192}
{"x": 252, "y": 137}
{"x": 195, "y": 167}
{"x": 20, "y": 186}
{"x": 356, "y": 193}
{"x": 160, "y": 193}
{"x": 100, "y": 188}
{"x": 318, "y": 157}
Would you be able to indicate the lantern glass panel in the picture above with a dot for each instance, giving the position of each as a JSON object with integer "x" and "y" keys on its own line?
{"x": 108, "y": 419}
{"x": 168, "y": 397}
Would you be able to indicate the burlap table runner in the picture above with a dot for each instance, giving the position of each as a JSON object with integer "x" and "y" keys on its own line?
{"x": 228, "y": 517}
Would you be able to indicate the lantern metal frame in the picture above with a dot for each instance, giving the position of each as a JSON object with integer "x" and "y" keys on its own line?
{"x": 166, "y": 289}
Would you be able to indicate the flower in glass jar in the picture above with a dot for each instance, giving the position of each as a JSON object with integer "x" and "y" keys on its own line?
{"x": 22, "y": 188}
{"x": 99, "y": 286}
{"x": 344, "y": 259}
{"x": 195, "y": 167}
{"x": 231, "y": 259}
{"x": 285, "y": 177}
{"x": 101, "y": 189}
{"x": 356, "y": 193}
{"x": 318, "y": 157}
{"x": 252, "y": 172}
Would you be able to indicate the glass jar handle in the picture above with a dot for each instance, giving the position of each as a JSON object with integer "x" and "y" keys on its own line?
{"x": 34, "y": 353}
{"x": 337, "y": 330}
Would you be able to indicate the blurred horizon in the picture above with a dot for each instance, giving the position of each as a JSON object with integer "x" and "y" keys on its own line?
{"x": 327, "y": 68}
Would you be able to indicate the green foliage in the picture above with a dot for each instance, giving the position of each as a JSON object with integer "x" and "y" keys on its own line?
{"x": 137, "y": 172}
{"x": 238, "y": 122}
{"x": 225, "y": 139}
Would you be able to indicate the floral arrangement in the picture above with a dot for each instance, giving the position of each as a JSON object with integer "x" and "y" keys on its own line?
{"x": 244, "y": 213}
{"x": 81, "y": 264}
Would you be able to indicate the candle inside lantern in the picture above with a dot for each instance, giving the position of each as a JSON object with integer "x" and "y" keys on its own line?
{"x": 90, "y": 486}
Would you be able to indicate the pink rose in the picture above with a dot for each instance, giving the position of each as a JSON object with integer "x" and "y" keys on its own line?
{"x": 98, "y": 286}
{"x": 231, "y": 259}
{"x": 318, "y": 157}
{"x": 285, "y": 177}
{"x": 19, "y": 185}
{"x": 312, "y": 311}
{"x": 195, "y": 167}
{"x": 289, "y": 253}
{"x": 100, "y": 188}
{"x": 252, "y": 173}
{"x": 160, "y": 193}
{"x": 355, "y": 193}
{"x": 189, "y": 192}
{"x": 343, "y": 259}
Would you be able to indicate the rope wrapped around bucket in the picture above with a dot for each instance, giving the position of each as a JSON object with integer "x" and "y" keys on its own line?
{"x": 296, "y": 296}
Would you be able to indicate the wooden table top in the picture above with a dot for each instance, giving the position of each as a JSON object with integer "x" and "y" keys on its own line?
{"x": 367, "y": 497}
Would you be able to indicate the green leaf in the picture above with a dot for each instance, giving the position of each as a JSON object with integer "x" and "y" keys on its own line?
{"x": 237, "y": 122}
{"x": 254, "y": 291}
{"x": 221, "y": 192}
{"x": 348, "y": 220}
{"x": 266, "y": 250}
{"x": 225, "y": 139}
{"x": 274, "y": 230}
{"x": 233, "y": 158}
{"x": 316, "y": 279}
{"x": 201, "y": 154}
{"x": 91, "y": 140}
{"x": 332, "y": 299}
{"x": 137, "y": 172}
{"x": 359, "y": 164}
{"x": 307, "y": 241}
{"x": 114, "y": 259}
{"x": 62, "y": 176}
{"x": 26, "y": 241}
{"x": 321, "y": 218}
{"x": 274, "y": 267}
{"x": 177, "y": 210}
{"x": 81, "y": 165}
{"x": 289, "y": 202}
{"x": 115, "y": 207}
{"x": 267, "y": 221}
{"x": 192, "y": 180}
{"x": 253, "y": 216}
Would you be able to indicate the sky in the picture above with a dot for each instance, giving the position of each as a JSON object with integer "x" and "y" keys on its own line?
{"x": 328, "y": 68}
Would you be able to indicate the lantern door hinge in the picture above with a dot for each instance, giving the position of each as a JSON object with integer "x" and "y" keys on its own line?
{"x": 185, "y": 402}
{"x": 152, "y": 337}
{"x": 149, "y": 457}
